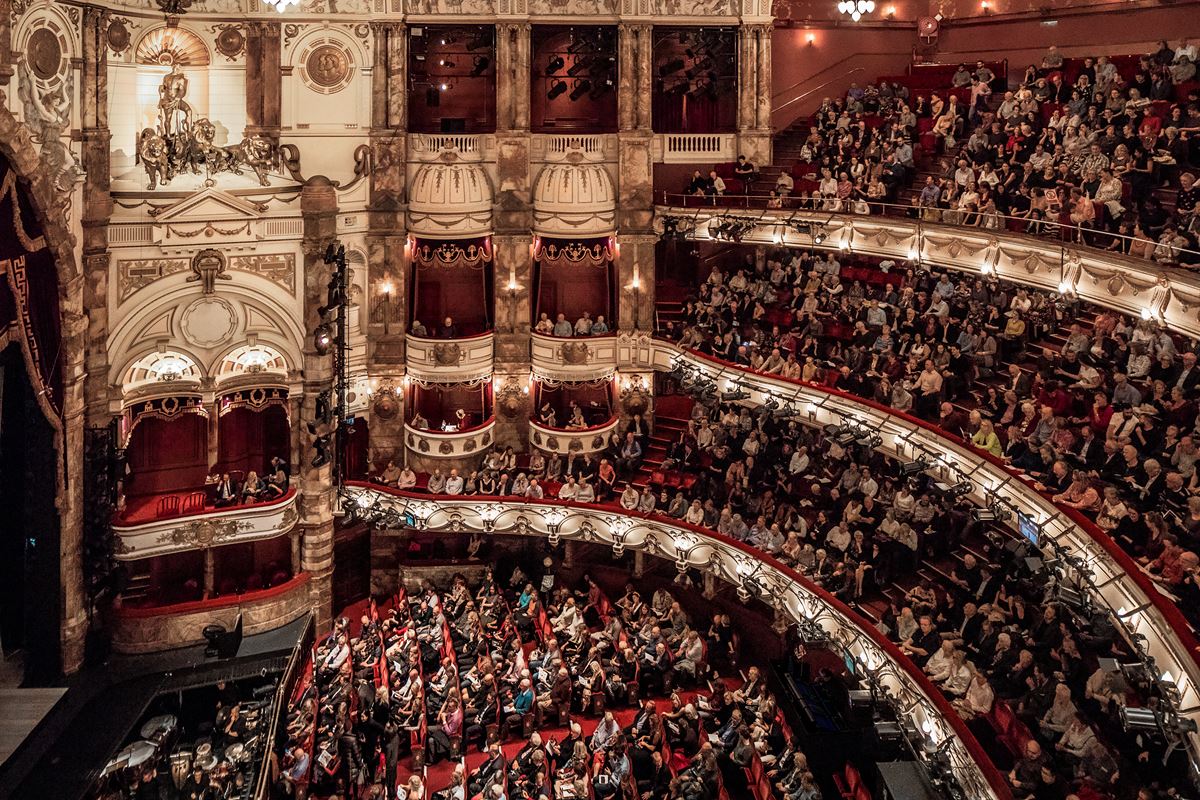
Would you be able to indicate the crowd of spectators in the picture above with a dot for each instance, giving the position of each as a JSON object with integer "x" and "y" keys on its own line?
{"x": 560, "y": 326}
{"x": 442, "y": 672}
{"x": 1079, "y": 161}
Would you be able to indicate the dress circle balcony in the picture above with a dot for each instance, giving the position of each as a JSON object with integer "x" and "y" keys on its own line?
{"x": 573, "y": 359}
{"x": 564, "y": 441}
{"x": 450, "y": 443}
{"x": 450, "y": 360}
{"x": 450, "y": 199}
{"x": 574, "y": 200}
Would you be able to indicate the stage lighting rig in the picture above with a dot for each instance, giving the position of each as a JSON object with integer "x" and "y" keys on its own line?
{"x": 331, "y": 336}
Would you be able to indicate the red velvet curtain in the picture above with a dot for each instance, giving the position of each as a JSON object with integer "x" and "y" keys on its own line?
{"x": 356, "y": 452}
{"x": 250, "y": 438}
{"x": 595, "y": 400}
{"x": 439, "y": 405}
{"x": 457, "y": 289}
{"x": 167, "y": 455}
{"x": 572, "y": 287}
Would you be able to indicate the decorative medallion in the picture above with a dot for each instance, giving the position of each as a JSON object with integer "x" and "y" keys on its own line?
{"x": 574, "y": 444}
{"x": 537, "y": 437}
{"x": 597, "y": 442}
{"x": 486, "y": 440}
{"x": 289, "y": 517}
{"x": 328, "y": 68}
{"x": 445, "y": 448}
{"x": 208, "y": 322}
{"x": 423, "y": 446}
{"x": 552, "y": 442}
{"x": 447, "y": 354}
{"x": 117, "y": 36}
{"x": 230, "y": 42}
{"x": 43, "y": 52}
{"x": 386, "y": 407}
{"x": 574, "y": 352}
{"x": 469, "y": 445}
{"x": 204, "y": 533}
{"x": 208, "y": 266}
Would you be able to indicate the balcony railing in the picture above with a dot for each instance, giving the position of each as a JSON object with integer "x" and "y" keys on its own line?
{"x": 428, "y": 146}
{"x": 450, "y": 444}
{"x": 575, "y": 358}
{"x": 690, "y": 547}
{"x": 1134, "y": 286}
{"x": 210, "y": 528}
{"x": 450, "y": 360}
{"x": 148, "y": 629}
{"x": 572, "y": 440}
{"x": 697, "y": 148}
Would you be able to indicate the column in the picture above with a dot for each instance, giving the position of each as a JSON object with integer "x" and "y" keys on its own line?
{"x": 74, "y": 614}
{"x": 635, "y": 275}
{"x": 763, "y": 109}
{"x": 210, "y": 569}
{"x": 264, "y": 79}
{"x": 318, "y": 207}
{"x": 645, "y": 72}
{"x": 214, "y": 431}
{"x": 387, "y": 265}
{"x": 627, "y": 99}
{"x": 747, "y": 55}
{"x": 521, "y": 77}
{"x": 512, "y": 266}
{"x": 506, "y": 57}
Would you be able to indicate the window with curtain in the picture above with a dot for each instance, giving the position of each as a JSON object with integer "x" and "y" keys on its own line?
{"x": 453, "y": 279}
{"x": 572, "y": 277}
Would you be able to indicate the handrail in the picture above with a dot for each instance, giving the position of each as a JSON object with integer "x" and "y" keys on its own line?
{"x": 434, "y": 432}
{"x": 803, "y": 95}
{"x": 1164, "y": 293}
{"x": 212, "y": 604}
{"x": 614, "y": 418}
{"x": 436, "y": 339}
{"x": 753, "y": 202}
{"x": 844, "y": 615}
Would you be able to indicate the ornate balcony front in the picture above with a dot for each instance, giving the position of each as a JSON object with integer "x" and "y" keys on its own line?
{"x": 450, "y": 360}
{"x": 450, "y": 444}
{"x": 572, "y": 440}
{"x": 148, "y": 629}
{"x": 168, "y": 531}
{"x": 580, "y": 358}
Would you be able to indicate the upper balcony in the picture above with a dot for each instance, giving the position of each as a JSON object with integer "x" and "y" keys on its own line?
{"x": 578, "y": 358}
{"x": 1139, "y": 287}
{"x": 565, "y": 441}
{"x": 450, "y": 360}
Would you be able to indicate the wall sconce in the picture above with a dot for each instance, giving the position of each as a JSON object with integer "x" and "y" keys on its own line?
{"x": 810, "y": 38}
{"x": 510, "y": 394}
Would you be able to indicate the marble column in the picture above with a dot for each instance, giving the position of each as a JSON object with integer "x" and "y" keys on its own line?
{"x": 747, "y": 78}
{"x": 214, "y": 431}
{"x": 763, "y": 109}
{"x": 264, "y": 79}
{"x": 627, "y": 83}
{"x": 74, "y": 615}
{"x": 506, "y": 67}
{"x": 635, "y": 276}
{"x": 319, "y": 208}
{"x": 210, "y": 570}
{"x": 644, "y": 55}
{"x": 512, "y": 266}
{"x": 387, "y": 265}
{"x": 521, "y": 77}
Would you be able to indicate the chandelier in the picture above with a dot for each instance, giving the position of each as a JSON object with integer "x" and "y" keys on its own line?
{"x": 280, "y": 5}
{"x": 856, "y": 8}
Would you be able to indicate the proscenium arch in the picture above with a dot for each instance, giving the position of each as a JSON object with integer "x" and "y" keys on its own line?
{"x": 690, "y": 547}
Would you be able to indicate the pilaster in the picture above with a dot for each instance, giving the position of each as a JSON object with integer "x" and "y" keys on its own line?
{"x": 6, "y": 64}
{"x": 318, "y": 207}
{"x": 635, "y": 275}
{"x": 264, "y": 79}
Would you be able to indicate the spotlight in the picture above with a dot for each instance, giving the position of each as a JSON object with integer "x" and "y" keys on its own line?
{"x": 582, "y": 87}
{"x": 819, "y": 237}
{"x": 672, "y": 66}
{"x": 481, "y": 64}
{"x": 322, "y": 339}
{"x": 913, "y": 467}
{"x": 581, "y": 64}
{"x": 556, "y": 64}
{"x": 556, "y": 90}
{"x": 734, "y": 395}
{"x": 321, "y": 448}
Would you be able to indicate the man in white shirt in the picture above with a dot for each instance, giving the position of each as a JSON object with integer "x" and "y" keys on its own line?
{"x": 454, "y": 483}
{"x": 583, "y": 326}
{"x": 630, "y": 498}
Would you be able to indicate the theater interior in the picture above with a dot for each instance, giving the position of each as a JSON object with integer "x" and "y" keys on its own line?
{"x": 599, "y": 399}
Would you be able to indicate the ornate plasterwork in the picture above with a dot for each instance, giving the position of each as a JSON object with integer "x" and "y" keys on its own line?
{"x": 138, "y": 273}
{"x": 326, "y": 65}
{"x": 211, "y": 529}
{"x": 208, "y": 322}
{"x": 204, "y": 533}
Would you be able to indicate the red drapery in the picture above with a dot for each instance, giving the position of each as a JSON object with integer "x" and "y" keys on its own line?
{"x": 573, "y": 277}
{"x": 453, "y": 279}
{"x": 438, "y": 405}
{"x": 167, "y": 455}
{"x": 594, "y": 398}
{"x": 249, "y": 438}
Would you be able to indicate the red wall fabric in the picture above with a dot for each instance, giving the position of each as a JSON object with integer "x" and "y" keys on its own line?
{"x": 249, "y": 439}
{"x": 167, "y": 455}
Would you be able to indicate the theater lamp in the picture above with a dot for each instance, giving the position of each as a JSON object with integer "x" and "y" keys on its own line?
{"x": 856, "y": 8}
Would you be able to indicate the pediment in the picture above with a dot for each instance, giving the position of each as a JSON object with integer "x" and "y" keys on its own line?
{"x": 210, "y": 205}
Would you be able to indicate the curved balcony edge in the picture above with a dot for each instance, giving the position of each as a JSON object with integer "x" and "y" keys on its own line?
{"x": 450, "y": 444}
{"x": 574, "y": 358}
{"x": 692, "y": 547}
{"x": 1140, "y": 288}
{"x": 212, "y": 529}
{"x": 450, "y": 360}
{"x": 564, "y": 440}
{"x": 1120, "y": 583}
{"x": 150, "y": 630}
